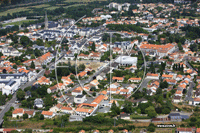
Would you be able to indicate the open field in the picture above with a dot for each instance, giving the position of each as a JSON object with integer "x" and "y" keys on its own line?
{"x": 11, "y": 11}
{"x": 189, "y": 17}
{"x": 50, "y": 124}
{"x": 40, "y": 6}
{"x": 46, "y": 6}
{"x": 18, "y": 23}
{"x": 88, "y": 63}
{"x": 73, "y": 5}
{"x": 83, "y": 0}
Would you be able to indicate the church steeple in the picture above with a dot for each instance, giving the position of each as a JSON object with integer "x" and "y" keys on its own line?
{"x": 46, "y": 21}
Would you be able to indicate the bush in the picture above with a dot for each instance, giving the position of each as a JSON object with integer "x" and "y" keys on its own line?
{"x": 151, "y": 127}
{"x": 41, "y": 117}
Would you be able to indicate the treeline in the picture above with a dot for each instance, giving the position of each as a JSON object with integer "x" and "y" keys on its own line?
{"x": 71, "y": 12}
{"x": 15, "y": 2}
{"x": 192, "y": 32}
{"x": 126, "y": 27}
{"x": 144, "y": 1}
{"x": 8, "y": 30}
{"x": 178, "y": 67}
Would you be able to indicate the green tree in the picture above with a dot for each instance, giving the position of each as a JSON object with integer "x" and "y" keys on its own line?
{"x": 25, "y": 41}
{"x": 27, "y": 131}
{"x": 115, "y": 110}
{"x": 166, "y": 111}
{"x": 24, "y": 103}
{"x": 93, "y": 47}
{"x": 15, "y": 66}
{"x": 32, "y": 65}
{"x": 41, "y": 117}
{"x": 20, "y": 95}
{"x": 128, "y": 107}
{"x": 25, "y": 116}
{"x": 150, "y": 111}
{"x": 151, "y": 127}
{"x": 39, "y": 42}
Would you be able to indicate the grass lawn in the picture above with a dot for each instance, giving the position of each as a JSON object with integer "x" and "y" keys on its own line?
{"x": 189, "y": 17}
{"x": 52, "y": 7}
{"x": 40, "y": 6}
{"x": 11, "y": 11}
{"x": 46, "y": 6}
{"x": 82, "y": 0}
{"x": 18, "y": 23}
{"x": 73, "y": 5}
{"x": 139, "y": 117}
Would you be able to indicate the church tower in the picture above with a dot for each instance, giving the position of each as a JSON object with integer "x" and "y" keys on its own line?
{"x": 46, "y": 21}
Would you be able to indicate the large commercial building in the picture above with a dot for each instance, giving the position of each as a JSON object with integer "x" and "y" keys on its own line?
{"x": 126, "y": 60}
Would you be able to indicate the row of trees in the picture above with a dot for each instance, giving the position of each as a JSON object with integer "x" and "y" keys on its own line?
{"x": 178, "y": 67}
{"x": 4, "y": 32}
{"x": 126, "y": 27}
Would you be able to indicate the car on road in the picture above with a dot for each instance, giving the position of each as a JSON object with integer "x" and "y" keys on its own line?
{"x": 16, "y": 102}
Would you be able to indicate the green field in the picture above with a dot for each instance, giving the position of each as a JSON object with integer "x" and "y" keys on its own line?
{"x": 46, "y": 6}
{"x": 18, "y": 23}
{"x": 11, "y": 11}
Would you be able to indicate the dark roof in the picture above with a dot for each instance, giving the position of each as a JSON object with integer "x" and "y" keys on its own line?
{"x": 184, "y": 116}
{"x": 115, "y": 64}
{"x": 79, "y": 96}
{"x": 177, "y": 97}
{"x": 28, "y": 93}
{"x": 124, "y": 115}
{"x": 174, "y": 114}
{"x": 3, "y": 76}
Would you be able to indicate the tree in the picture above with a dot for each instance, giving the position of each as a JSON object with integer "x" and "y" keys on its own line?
{"x": 25, "y": 116}
{"x": 25, "y": 41}
{"x": 151, "y": 127}
{"x": 27, "y": 131}
{"x": 1, "y": 54}
{"x": 20, "y": 95}
{"x": 166, "y": 111}
{"x": 93, "y": 88}
{"x": 24, "y": 103}
{"x": 72, "y": 77}
{"x": 93, "y": 47}
{"x": 15, "y": 66}
{"x": 128, "y": 107}
{"x": 32, "y": 65}
{"x": 115, "y": 110}
{"x": 150, "y": 111}
{"x": 39, "y": 42}
{"x": 41, "y": 117}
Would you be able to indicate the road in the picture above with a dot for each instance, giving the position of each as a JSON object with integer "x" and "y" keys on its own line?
{"x": 14, "y": 98}
{"x": 30, "y": 83}
{"x": 82, "y": 82}
{"x": 144, "y": 83}
{"x": 190, "y": 91}
{"x": 149, "y": 63}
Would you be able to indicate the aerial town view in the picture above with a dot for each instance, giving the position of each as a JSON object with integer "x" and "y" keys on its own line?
{"x": 99, "y": 66}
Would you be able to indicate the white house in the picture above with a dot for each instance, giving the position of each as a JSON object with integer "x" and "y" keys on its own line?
{"x": 48, "y": 114}
{"x": 80, "y": 99}
{"x": 9, "y": 86}
{"x": 56, "y": 108}
{"x": 67, "y": 110}
{"x": 18, "y": 112}
{"x": 127, "y": 60}
{"x": 77, "y": 91}
{"x": 38, "y": 102}
{"x": 196, "y": 101}
{"x": 152, "y": 76}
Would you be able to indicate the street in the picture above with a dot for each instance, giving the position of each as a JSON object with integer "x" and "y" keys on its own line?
{"x": 14, "y": 98}
{"x": 190, "y": 91}
{"x": 144, "y": 83}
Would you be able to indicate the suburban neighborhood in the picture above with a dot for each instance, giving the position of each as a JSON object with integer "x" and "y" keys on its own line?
{"x": 118, "y": 66}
